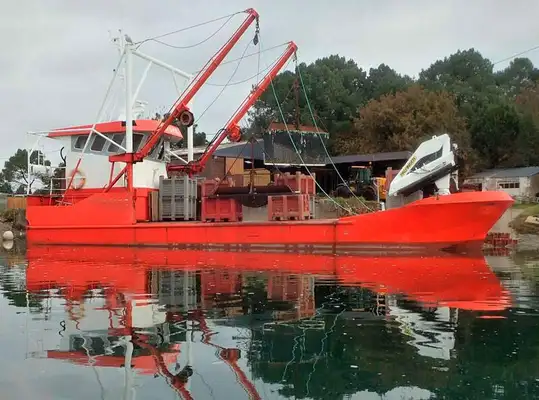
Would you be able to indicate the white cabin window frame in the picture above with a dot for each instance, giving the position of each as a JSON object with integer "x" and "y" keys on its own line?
{"x": 110, "y": 146}
{"x": 114, "y": 148}
{"x": 77, "y": 144}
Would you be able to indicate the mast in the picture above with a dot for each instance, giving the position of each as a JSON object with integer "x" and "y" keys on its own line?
{"x": 181, "y": 110}
{"x": 128, "y": 108}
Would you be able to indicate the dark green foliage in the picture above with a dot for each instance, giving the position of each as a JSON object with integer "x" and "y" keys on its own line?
{"x": 13, "y": 178}
{"x": 497, "y": 112}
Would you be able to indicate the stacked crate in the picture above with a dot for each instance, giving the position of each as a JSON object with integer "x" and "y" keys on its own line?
{"x": 215, "y": 209}
{"x": 177, "y": 198}
{"x": 298, "y": 206}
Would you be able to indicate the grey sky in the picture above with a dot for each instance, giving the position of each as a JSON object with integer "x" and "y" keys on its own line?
{"x": 56, "y": 58}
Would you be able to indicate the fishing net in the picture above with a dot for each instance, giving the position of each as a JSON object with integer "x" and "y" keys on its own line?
{"x": 278, "y": 147}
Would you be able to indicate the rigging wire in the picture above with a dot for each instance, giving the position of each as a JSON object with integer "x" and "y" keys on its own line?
{"x": 208, "y": 63}
{"x": 229, "y": 16}
{"x": 226, "y": 85}
{"x": 245, "y": 56}
{"x": 323, "y": 342}
{"x": 192, "y": 45}
{"x": 518, "y": 54}
{"x": 242, "y": 81}
{"x": 322, "y": 141}
{"x": 296, "y": 149}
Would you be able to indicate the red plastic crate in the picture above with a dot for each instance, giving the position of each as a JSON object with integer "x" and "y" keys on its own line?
{"x": 304, "y": 184}
{"x": 220, "y": 210}
{"x": 291, "y": 206}
{"x": 208, "y": 186}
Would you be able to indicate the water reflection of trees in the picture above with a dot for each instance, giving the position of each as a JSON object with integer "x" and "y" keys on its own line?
{"x": 492, "y": 358}
{"x": 13, "y": 286}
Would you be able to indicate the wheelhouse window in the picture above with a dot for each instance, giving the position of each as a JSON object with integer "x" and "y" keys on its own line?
{"x": 98, "y": 143}
{"x": 158, "y": 152}
{"x": 80, "y": 141}
{"x": 137, "y": 140}
{"x": 117, "y": 138}
{"x": 427, "y": 159}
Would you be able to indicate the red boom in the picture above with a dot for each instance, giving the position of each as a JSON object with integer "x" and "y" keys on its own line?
{"x": 232, "y": 130}
{"x": 181, "y": 109}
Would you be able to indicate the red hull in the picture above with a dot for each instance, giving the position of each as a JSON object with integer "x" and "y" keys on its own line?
{"x": 449, "y": 280}
{"x": 107, "y": 218}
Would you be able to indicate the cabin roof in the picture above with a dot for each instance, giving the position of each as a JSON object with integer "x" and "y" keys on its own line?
{"x": 374, "y": 157}
{"x": 139, "y": 125}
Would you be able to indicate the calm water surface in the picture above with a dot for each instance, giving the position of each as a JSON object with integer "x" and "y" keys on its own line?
{"x": 129, "y": 324}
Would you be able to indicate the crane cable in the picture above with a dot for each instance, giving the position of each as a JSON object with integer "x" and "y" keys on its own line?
{"x": 226, "y": 84}
{"x": 322, "y": 141}
{"x": 155, "y": 38}
{"x": 296, "y": 149}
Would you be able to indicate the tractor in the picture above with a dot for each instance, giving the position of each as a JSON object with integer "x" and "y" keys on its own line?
{"x": 362, "y": 184}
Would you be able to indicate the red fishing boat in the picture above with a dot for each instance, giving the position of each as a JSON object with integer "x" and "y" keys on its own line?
{"x": 110, "y": 197}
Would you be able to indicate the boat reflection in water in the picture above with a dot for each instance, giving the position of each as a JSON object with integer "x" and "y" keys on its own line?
{"x": 269, "y": 317}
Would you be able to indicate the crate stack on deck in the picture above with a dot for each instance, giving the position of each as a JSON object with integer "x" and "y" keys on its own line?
{"x": 177, "y": 199}
{"x": 217, "y": 209}
{"x": 296, "y": 206}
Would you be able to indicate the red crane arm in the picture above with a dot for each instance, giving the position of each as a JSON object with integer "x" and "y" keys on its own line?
{"x": 181, "y": 109}
{"x": 232, "y": 130}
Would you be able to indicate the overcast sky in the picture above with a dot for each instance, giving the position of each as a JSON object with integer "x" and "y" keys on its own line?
{"x": 57, "y": 58}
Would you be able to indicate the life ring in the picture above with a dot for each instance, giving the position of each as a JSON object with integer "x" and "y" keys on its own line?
{"x": 82, "y": 179}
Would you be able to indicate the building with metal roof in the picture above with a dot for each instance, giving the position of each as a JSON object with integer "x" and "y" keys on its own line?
{"x": 275, "y": 156}
{"x": 256, "y": 151}
{"x": 508, "y": 172}
{"x": 514, "y": 181}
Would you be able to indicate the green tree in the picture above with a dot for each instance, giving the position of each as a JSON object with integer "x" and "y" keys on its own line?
{"x": 335, "y": 87}
{"x": 385, "y": 80}
{"x": 527, "y": 101}
{"x": 401, "y": 121}
{"x": 519, "y": 75}
{"x": 5, "y": 187}
{"x": 199, "y": 139}
{"x": 15, "y": 172}
{"x": 494, "y": 132}
{"x": 460, "y": 72}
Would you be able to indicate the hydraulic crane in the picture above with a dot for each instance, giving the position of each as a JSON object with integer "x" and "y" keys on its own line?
{"x": 181, "y": 110}
{"x": 232, "y": 130}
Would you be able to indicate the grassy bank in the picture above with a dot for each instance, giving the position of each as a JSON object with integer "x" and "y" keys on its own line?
{"x": 519, "y": 223}
{"x": 342, "y": 207}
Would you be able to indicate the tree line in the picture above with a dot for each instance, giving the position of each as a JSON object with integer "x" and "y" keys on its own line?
{"x": 492, "y": 115}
